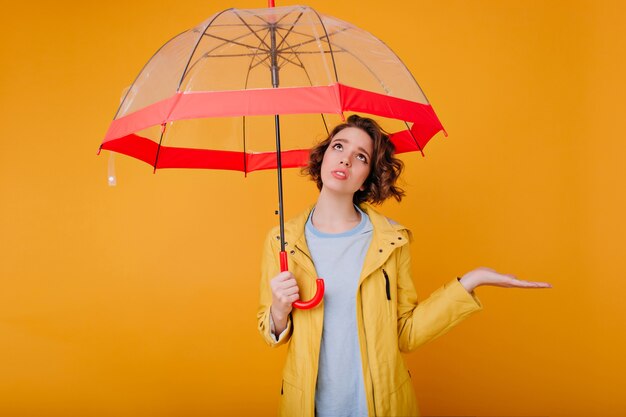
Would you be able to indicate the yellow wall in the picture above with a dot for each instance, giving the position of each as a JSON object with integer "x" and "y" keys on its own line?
{"x": 140, "y": 299}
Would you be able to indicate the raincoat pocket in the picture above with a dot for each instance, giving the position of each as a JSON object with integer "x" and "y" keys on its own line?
{"x": 387, "y": 285}
{"x": 291, "y": 400}
{"x": 388, "y": 300}
{"x": 402, "y": 402}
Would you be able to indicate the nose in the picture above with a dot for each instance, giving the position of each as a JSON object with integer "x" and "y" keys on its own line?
{"x": 345, "y": 162}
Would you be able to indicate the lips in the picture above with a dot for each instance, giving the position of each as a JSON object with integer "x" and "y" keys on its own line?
{"x": 339, "y": 174}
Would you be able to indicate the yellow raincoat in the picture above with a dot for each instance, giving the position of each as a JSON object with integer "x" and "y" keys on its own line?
{"x": 389, "y": 318}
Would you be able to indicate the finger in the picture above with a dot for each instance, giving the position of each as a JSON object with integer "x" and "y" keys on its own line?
{"x": 285, "y": 293}
{"x": 290, "y": 283}
{"x": 279, "y": 279}
{"x": 530, "y": 284}
{"x": 543, "y": 284}
{"x": 282, "y": 293}
{"x": 289, "y": 299}
{"x": 291, "y": 290}
{"x": 284, "y": 276}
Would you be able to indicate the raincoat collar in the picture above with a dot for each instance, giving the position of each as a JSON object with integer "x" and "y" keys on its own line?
{"x": 387, "y": 237}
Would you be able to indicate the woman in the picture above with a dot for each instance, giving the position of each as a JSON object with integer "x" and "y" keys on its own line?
{"x": 344, "y": 355}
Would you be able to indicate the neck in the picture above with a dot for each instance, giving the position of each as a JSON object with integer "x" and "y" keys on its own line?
{"x": 335, "y": 213}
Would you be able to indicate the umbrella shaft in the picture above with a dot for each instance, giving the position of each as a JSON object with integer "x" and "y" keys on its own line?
{"x": 273, "y": 56}
{"x": 279, "y": 172}
{"x": 279, "y": 166}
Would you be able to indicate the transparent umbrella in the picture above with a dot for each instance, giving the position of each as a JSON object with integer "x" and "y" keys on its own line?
{"x": 248, "y": 89}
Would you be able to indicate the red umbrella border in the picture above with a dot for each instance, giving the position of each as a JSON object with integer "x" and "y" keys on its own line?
{"x": 333, "y": 99}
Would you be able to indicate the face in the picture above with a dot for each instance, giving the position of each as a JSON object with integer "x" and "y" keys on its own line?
{"x": 346, "y": 163}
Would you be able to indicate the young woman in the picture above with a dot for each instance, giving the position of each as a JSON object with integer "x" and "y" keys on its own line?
{"x": 344, "y": 355}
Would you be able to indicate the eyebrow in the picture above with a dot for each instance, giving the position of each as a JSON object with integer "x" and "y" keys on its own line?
{"x": 346, "y": 141}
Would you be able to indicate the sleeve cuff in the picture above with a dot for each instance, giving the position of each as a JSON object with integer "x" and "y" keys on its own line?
{"x": 458, "y": 292}
{"x": 273, "y": 330}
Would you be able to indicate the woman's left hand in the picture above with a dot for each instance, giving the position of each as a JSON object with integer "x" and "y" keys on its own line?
{"x": 488, "y": 276}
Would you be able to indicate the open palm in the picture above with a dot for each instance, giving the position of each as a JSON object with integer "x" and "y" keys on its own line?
{"x": 488, "y": 276}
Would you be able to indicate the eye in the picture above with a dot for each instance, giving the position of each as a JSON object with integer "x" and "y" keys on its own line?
{"x": 338, "y": 146}
{"x": 361, "y": 157}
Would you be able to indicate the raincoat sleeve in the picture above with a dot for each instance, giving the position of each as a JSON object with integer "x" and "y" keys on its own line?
{"x": 422, "y": 322}
{"x": 269, "y": 269}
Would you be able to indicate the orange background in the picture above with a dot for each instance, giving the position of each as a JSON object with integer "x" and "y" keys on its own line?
{"x": 140, "y": 299}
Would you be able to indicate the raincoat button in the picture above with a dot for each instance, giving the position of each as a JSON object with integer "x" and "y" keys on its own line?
{"x": 393, "y": 243}
{"x": 293, "y": 252}
{"x": 380, "y": 250}
{"x": 399, "y": 238}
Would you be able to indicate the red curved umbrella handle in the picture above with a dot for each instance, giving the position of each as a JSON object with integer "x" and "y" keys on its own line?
{"x": 313, "y": 302}
{"x": 319, "y": 294}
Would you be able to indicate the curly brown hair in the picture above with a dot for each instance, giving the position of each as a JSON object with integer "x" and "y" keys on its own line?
{"x": 385, "y": 167}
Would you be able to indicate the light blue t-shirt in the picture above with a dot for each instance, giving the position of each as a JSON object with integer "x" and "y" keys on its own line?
{"x": 338, "y": 259}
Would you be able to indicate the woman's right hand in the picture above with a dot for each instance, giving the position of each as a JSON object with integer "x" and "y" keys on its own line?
{"x": 284, "y": 292}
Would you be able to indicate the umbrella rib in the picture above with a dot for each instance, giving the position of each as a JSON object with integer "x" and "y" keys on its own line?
{"x": 230, "y": 55}
{"x": 382, "y": 84}
{"x": 414, "y": 140}
{"x": 261, "y": 62}
{"x": 139, "y": 74}
{"x": 245, "y": 162}
{"x": 207, "y": 54}
{"x": 252, "y": 31}
{"x": 284, "y": 40}
{"x": 287, "y": 60}
{"x": 310, "y": 83}
{"x": 250, "y": 66}
{"x": 219, "y": 56}
{"x": 228, "y": 25}
{"x": 156, "y": 157}
{"x": 332, "y": 52}
{"x": 245, "y": 87}
{"x": 266, "y": 23}
{"x": 313, "y": 52}
{"x": 256, "y": 54}
{"x": 295, "y": 54}
{"x": 182, "y": 77}
{"x": 330, "y": 47}
{"x": 227, "y": 41}
{"x": 293, "y": 25}
{"x": 261, "y": 25}
{"x": 291, "y": 49}
{"x": 324, "y": 38}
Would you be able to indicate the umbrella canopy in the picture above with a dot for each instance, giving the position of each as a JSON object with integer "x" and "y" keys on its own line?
{"x": 198, "y": 102}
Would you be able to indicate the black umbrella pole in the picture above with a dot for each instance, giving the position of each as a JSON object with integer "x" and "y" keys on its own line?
{"x": 281, "y": 214}
{"x": 279, "y": 165}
